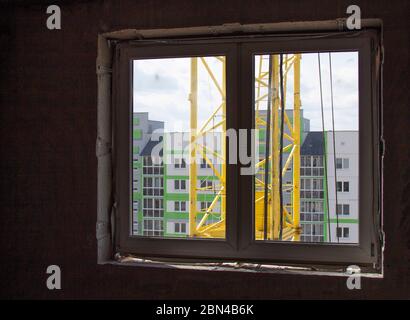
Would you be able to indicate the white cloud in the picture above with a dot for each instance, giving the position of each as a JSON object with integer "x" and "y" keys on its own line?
{"x": 162, "y": 86}
{"x": 163, "y": 90}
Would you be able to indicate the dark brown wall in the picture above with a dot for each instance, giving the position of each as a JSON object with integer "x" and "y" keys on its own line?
{"x": 48, "y": 166}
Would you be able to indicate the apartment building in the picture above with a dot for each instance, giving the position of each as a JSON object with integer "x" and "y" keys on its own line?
{"x": 161, "y": 183}
{"x": 329, "y": 195}
{"x": 344, "y": 215}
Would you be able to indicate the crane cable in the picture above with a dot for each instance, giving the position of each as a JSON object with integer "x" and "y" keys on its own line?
{"x": 324, "y": 148}
{"x": 282, "y": 120}
{"x": 267, "y": 147}
{"x": 334, "y": 141}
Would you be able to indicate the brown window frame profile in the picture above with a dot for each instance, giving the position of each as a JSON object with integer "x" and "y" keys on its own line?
{"x": 239, "y": 244}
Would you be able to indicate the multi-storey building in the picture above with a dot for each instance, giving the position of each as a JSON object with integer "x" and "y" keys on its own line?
{"x": 344, "y": 217}
{"x": 161, "y": 182}
{"x": 312, "y": 191}
{"x": 146, "y": 178}
{"x": 323, "y": 218}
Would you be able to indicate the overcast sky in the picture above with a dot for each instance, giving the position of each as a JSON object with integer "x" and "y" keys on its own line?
{"x": 161, "y": 87}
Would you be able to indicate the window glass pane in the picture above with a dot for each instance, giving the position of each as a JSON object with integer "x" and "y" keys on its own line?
{"x": 346, "y": 163}
{"x": 345, "y": 232}
{"x": 346, "y": 209}
{"x": 179, "y": 126}
{"x": 346, "y": 186}
{"x": 183, "y": 227}
{"x": 317, "y": 184}
{"x": 339, "y": 163}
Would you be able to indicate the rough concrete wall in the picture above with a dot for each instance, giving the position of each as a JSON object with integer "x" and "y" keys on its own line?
{"x": 48, "y": 99}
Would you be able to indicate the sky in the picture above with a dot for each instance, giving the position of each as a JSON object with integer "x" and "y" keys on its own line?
{"x": 161, "y": 87}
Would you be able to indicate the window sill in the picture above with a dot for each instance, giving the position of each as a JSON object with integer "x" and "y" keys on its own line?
{"x": 336, "y": 271}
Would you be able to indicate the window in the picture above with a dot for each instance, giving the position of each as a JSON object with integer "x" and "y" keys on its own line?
{"x": 153, "y": 227}
{"x": 204, "y": 164}
{"x": 205, "y": 205}
{"x": 206, "y": 184}
{"x": 152, "y": 166}
{"x": 180, "y": 163}
{"x": 153, "y": 186}
{"x": 273, "y": 212}
{"x": 180, "y": 206}
{"x": 342, "y": 163}
{"x": 179, "y": 184}
{"x": 342, "y": 232}
{"x": 180, "y": 227}
{"x": 345, "y": 232}
{"x": 153, "y": 207}
{"x": 311, "y": 188}
{"x": 312, "y": 232}
{"x": 346, "y": 209}
{"x": 346, "y": 163}
{"x": 311, "y": 166}
{"x": 339, "y": 163}
{"x": 346, "y": 186}
{"x": 343, "y": 186}
{"x": 311, "y": 211}
{"x": 343, "y": 209}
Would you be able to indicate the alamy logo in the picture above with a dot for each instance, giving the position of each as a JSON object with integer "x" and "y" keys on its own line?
{"x": 54, "y": 20}
{"x": 54, "y": 280}
{"x": 353, "y": 22}
{"x": 354, "y": 279}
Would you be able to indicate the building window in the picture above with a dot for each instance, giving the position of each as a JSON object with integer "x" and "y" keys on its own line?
{"x": 153, "y": 207}
{"x": 342, "y": 163}
{"x": 204, "y": 164}
{"x": 290, "y": 178}
{"x": 153, "y": 227}
{"x": 153, "y": 166}
{"x": 205, "y": 205}
{"x": 312, "y": 232}
{"x": 311, "y": 166}
{"x": 343, "y": 232}
{"x": 180, "y": 206}
{"x": 153, "y": 186}
{"x": 206, "y": 184}
{"x": 339, "y": 163}
{"x": 180, "y": 163}
{"x": 311, "y": 188}
{"x": 179, "y": 184}
{"x": 180, "y": 227}
{"x": 311, "y": 210}
{"x": 343, "y": 186}
{"x": 343, "y": 209}
{"x": 346, "y": 186}
{"x": 137, "y": 134}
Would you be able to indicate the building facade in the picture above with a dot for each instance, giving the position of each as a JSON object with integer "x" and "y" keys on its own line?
{"x": 161, "y": 182}
{"x": 329, "y": 194}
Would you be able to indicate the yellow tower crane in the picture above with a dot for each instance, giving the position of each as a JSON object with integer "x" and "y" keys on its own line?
{"x": 270, "y": 224}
